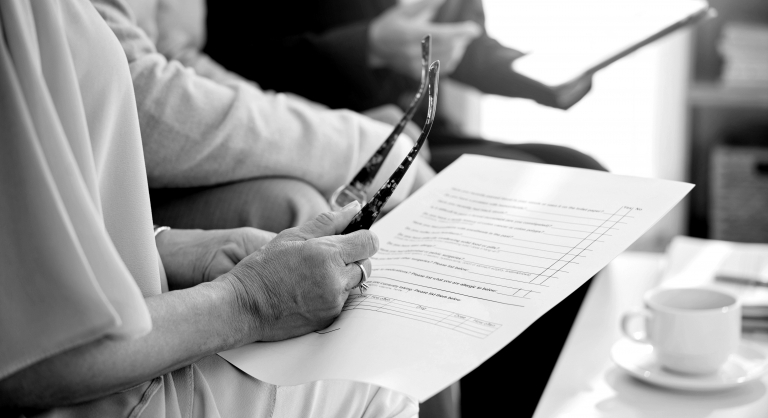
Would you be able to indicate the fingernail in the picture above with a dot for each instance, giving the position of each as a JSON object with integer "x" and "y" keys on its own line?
{"x": 351, "y": 206}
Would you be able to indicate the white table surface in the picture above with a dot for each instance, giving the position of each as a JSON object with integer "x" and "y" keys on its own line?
{"x": 586, "y": 383}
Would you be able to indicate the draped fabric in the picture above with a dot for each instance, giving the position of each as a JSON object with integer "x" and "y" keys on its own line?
{"x": 76, "y": 244}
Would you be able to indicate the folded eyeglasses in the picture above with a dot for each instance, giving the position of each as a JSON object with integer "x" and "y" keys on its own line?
{"x": 355, "y": 190}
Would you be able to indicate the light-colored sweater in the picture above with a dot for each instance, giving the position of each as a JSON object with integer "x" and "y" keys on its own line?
{"x": 202, "y": 125}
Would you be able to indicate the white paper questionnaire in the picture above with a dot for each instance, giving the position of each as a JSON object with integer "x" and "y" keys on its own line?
{"x": 465, "y": 265}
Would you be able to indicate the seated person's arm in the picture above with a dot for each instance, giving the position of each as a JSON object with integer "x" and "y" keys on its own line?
{"x": 192, "y": 57}
{"x": 197, "y": 132}
{"x": 256, "y": 301}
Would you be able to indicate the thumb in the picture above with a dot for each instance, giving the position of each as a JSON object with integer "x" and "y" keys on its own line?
{"x": 325, "y": 224}
{"x": 419, "y": 7}
{"x": 468, "y": 29}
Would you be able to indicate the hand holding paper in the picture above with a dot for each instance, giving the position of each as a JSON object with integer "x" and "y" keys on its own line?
{"x": 465, "y": 265}
{"x": 289, "y": 296}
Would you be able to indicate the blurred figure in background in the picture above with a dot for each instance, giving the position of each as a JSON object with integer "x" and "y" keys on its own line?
{"x": 363, "y": 55}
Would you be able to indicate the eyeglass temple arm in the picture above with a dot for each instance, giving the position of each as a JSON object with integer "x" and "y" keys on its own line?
{"x": 365, "y": 176}
{"x": 368, "y": 214}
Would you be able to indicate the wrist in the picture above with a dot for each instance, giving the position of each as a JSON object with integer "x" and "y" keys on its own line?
{"x": 243, "y": 310}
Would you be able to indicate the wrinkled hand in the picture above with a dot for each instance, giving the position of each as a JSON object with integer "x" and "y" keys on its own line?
{"x": 394, "y": 38}
{"x": 299, "y": 282}
{"x": 193, "y": 256}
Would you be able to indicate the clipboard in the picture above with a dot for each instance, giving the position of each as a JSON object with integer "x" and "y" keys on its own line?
{"x": 565, "y": 40}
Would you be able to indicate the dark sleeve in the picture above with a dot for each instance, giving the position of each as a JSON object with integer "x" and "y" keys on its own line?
{"x": 487, "y": 65}
{"x": 318, "y": 50}
{"x": 330, "y": 67}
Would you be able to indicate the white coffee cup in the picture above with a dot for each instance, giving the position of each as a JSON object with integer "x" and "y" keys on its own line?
{"x": 692, "y": 330}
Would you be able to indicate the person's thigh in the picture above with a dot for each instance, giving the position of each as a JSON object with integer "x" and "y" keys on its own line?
{"x": 516, "y": 376}
{"x": 447, "y": 148}
{"x": 340, "y": 399}
{"x": 271, "y": 204}
{"x": 559, "y": 155}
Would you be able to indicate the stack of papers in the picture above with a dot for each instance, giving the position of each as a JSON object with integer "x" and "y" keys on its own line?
{"x": 747, "y": 267}
{"x": 741, "y": 269}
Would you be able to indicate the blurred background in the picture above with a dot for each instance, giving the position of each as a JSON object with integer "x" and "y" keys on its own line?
{"x": 692, "y": 107}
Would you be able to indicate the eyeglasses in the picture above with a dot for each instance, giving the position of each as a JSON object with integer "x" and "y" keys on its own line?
{"x": 368, "y": 214}
{"x": 355, "y": 190}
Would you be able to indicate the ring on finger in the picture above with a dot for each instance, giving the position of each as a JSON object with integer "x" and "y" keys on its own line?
{"x": 362, "y": 285}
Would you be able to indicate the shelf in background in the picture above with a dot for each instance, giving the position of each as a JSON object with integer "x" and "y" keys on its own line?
{"x": 704, "y": 94}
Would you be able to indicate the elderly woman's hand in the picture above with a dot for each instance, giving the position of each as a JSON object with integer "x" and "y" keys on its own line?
{"x": 193, "y": 256}
{"x": 299, "y": 281}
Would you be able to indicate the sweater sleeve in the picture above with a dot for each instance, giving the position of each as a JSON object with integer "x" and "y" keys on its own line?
{"x": 201, "y": 131}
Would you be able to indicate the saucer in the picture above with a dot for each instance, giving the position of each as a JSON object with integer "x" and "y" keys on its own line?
{"x": 746, "y": 364}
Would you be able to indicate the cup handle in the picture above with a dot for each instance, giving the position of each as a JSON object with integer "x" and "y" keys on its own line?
{"x": 628, "y": 317}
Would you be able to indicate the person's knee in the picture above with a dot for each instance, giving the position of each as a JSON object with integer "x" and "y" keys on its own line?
{"x": 277, "y": 204}
{"x": 559, "y": 155}
{"x": 581, "y": 160}
{"x": 305, "y": 202}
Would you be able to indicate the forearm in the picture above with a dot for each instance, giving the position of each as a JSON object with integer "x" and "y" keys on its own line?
{"x": 206, "y": 67}
{"x": 197, "y": 132}
{"x": 187, "y": 325}
{"x": 194, "y": 139}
